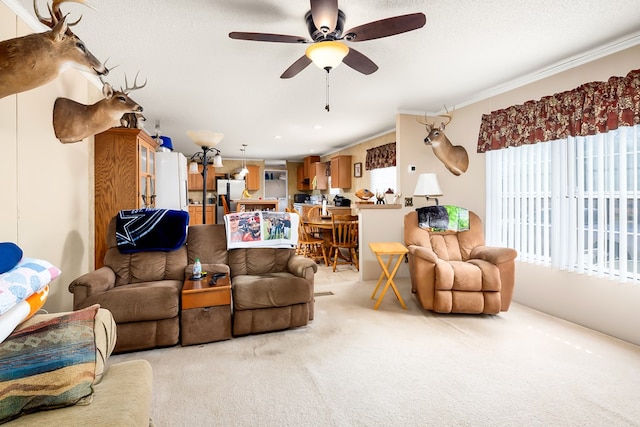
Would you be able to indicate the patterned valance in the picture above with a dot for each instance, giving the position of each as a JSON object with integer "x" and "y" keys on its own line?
{"x": 595, "y": 107}
{"x": 383, "y": 156}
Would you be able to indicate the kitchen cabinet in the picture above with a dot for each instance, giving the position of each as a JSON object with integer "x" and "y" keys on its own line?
{"x": 306, "y": 172}
{"x": 124, "y": 178}
{"x": 341, "y": 172}
{"x": 195, "y": 179}
{"x": 307, "y": 164}
{"x": 302, "y": 183}
{"x": 253, "y": 178}
{"x": 195, "y": 214}
{"x": 319, "y": 174}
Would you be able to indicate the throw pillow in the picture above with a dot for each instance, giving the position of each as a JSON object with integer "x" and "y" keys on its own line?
{"x": 48, "y": 365}
{"x": 10, "y": 255}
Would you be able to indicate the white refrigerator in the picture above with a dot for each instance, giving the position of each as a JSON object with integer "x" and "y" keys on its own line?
{"x": 234, "y": 187}
{"x": 171, "y": 181}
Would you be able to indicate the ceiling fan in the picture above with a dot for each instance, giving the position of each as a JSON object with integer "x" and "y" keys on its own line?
{"x": 325, "y": 23}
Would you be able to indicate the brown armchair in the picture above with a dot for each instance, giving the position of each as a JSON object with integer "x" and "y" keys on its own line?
{"x": 454, "y": 272}
{"x": 141, "y": 290}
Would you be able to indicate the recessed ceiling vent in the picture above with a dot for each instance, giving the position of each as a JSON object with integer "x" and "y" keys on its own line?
{"x": 271, "y": 163}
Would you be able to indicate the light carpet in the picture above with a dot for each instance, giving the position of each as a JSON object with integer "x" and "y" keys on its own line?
{"x": 353, "y": 366}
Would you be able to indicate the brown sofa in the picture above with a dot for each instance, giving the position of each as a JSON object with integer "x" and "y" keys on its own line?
{"x": 272, "y": 289}
{"x": 454, "y": 272}
{"x": 142, "y": 291}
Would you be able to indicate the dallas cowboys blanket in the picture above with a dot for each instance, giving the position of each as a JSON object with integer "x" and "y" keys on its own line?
{"x": 141, "y": 230}
{"x": 443, "y": 218}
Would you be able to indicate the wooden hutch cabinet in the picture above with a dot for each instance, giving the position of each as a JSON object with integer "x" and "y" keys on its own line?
{"x": 125, "y": 178}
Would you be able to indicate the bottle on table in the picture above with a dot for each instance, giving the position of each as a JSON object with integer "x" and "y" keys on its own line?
{"x": 197, "y": 269}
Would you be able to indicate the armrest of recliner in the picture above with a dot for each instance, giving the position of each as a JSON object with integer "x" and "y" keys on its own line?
{"x": 92, "y": 283}
{"x": 298, "y": 264}
{"x": 423, "y": 253}
{"x": 493, "y": 254}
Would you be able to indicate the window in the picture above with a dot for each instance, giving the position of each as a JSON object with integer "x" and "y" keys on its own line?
{"x": 382, "y": 179}
{"x": 572, "y": 204}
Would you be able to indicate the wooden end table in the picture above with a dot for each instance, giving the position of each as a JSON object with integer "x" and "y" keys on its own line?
{"x": 206, "y": 311}
{"x": 391, "y": 249}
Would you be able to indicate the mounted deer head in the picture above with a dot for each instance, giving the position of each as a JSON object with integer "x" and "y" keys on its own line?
{"x": 36, "y": 59}
{"x": 454, "y": 157}
{"x": 72, "y": 121}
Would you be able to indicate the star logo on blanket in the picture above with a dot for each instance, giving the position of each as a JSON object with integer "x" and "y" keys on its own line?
{"x": 151, "y": 230}
{"x": 138, "y": 223}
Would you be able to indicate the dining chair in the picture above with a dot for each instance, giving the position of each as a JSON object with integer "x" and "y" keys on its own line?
{"x": 344, "y": 236}
{"x": 314, "y": 212}
{"x": 309, "y": 246}
{"x": 225, "y": 206}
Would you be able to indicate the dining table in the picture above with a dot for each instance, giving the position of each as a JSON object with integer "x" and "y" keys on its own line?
{"x": 324, "y": 224}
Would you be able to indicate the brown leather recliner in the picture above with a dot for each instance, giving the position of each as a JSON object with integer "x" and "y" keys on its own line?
{"x": 454, "y": 272}
{"x": 272, "y": 289}
{"x": 141, "y": 290}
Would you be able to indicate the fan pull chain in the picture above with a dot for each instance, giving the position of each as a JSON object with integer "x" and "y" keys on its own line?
{"x": 326, "y": 107}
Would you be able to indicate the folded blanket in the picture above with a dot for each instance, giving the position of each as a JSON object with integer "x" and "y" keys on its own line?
{"x": 142, "y": 230}
{"x": 28, "y": 277}
{"x": 261, "y": 230}
{"x": 443, "y": 218}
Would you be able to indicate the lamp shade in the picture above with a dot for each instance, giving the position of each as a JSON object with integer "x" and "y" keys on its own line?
{"x": 328, "y": 54}
{"x": 193, "y": 168}
{"x": 427, "y": 185}
{"x": 205, "y": 138}
{"x": 217, "y": 161}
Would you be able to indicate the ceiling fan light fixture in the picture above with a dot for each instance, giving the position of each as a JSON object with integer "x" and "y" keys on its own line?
{"x": 327, "y": 54}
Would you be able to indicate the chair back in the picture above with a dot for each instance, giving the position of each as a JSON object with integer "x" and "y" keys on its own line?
{"x": 314, "y": 212}
{"x": 225, "y": 205}
{"x": 448, "y": 245}
{"x": 344, "y": 230}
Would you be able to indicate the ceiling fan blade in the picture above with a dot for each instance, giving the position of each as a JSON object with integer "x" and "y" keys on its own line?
{"x": 359, "y": 62}
{"x": 296, "y": 67}
{"x": 386, "y": 27}
{"x": 324, "y": 14}
{"x": 267, "y": 37}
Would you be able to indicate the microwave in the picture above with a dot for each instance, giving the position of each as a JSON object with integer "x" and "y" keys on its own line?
{"x": 301, "y": 198}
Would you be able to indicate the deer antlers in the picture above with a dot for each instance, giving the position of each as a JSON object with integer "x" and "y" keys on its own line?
{"x": 135, "y": 85}
{"x": 55, "y": 13}
{"x": 430, "y": 125}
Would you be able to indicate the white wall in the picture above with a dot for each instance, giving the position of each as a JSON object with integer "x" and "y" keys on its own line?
{"x": 599, "y": 304}
{"x": 47, "y": 186}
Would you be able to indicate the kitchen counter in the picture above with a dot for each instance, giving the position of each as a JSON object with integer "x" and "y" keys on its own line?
{"x": 248, "y": 205}
{"x": 303, "y": 208}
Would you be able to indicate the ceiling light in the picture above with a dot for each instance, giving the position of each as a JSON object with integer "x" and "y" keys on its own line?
{"x": 244, "y": 169}
{"x": 328, "y": 54}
